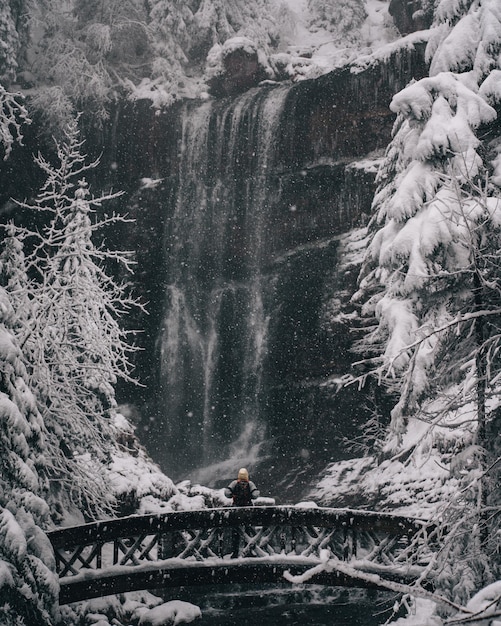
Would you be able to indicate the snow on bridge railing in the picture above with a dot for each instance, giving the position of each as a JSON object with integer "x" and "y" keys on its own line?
{"x": 176, "y": 541}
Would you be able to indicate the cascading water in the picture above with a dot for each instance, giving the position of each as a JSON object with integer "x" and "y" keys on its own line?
{"x": 215, "y": 328}
{"x": 251, "y": 254}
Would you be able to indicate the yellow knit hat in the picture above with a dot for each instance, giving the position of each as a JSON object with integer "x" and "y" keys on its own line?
{"x": 243, "y": 474}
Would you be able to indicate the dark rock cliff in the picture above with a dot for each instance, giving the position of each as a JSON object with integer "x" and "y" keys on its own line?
{"x": 411, "y": 15}
{"x": 314, "y": 194}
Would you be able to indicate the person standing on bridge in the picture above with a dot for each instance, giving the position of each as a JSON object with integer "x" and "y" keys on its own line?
{"x": 242, "y": 491}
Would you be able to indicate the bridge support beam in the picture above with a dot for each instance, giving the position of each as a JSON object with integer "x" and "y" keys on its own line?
{"x": 236, "y": 571}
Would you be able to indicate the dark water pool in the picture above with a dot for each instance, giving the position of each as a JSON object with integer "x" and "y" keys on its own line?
{"x": 269, "y": 606}
{"x": 294, "y": 615}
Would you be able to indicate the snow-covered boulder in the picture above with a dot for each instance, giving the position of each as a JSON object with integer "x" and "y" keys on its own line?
{"x": 235, "y": 66}
{"x": 173, "y": 612}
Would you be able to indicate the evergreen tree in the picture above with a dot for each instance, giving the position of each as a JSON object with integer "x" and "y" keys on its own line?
{"x": 344, "y": 17}
{"x": 431, "y": 217}
{"x": 466, "y": 37}
{"x": 432, "y": 278}
{"x": 14, "y": 277}
{"x": 71, "y": 335}
{"x": 10, "y": 43}
{"x": 28, "y": 584}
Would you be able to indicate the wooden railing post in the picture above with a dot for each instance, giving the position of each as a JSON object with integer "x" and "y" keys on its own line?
{"x": 220, "y": 542}
{"x": 99, "y": 555}
{"x": 162, "y": 548}
{"x": 283, "y": 547}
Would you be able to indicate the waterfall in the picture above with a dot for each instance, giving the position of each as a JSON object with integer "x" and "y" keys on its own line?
{"x": 259, "y": 189}
{"x": 215, "y": 329}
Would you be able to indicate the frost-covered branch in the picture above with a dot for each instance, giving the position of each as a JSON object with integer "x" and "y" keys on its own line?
{"x": 334, "y": 564}
{"x": 13, "y": 114}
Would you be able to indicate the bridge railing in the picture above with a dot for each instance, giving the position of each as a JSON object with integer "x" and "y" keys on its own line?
{"x": 211, "y": 533}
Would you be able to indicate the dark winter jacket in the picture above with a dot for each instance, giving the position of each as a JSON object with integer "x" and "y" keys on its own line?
{"x": 232, "y": 489}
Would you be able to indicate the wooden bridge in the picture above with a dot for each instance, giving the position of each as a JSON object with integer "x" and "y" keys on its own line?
{"x": 194, "y": 548}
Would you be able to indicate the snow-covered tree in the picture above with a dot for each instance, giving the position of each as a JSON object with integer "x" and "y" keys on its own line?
{"x": 28, "y": 584}
{"x": 466, "y": 37}
{"x": 14, "y": 278}
{"x": 21, "y": 425}
{"x": 13, "y": 115}
{"x": 427, "y": 222}
{"x": 71, "y": 335}
{"x": 433, "y": 222}
{"x": 344, "y": 17}
{"x": 82, "y": 54}
{"x": 432, "y": 277}
{"x": 9, "y": 37}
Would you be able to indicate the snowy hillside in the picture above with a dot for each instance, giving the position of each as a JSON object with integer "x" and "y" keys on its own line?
{"x": 168, "y": 51}
{"x": 335, "y": 39}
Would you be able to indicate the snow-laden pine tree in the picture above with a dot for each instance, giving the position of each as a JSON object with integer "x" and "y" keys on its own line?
{"x": 9, "y": 37}
{"x": 433, "y": 216}
{"x": 432, "y": 277}
{"x": 69, "y": 325}
{"x": 14, "y": 278}
{"x": 29, "y": 587}
{"x": 421, "y": 260}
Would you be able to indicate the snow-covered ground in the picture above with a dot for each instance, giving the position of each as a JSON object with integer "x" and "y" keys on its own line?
{"x": 328, "y": 52}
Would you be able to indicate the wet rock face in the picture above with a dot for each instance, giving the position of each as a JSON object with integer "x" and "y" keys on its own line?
{"x": 411, "y": 15}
